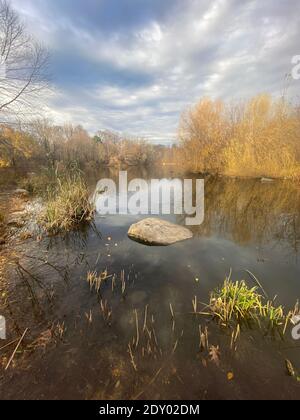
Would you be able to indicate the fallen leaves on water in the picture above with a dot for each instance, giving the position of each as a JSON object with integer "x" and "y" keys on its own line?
{"x": 215, "y": 355}
{"x": 230, "y": 376}
{"x": 290, "y": 368}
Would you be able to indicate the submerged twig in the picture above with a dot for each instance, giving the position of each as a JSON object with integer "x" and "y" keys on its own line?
{"x": 8, "y": 344}
{"x": 149, "y": 384}
{"x": 145, "y": 318}
{"x": 195, "y": 304}
{"x": 137, "y": 329}
{"x": 132, "y": 358}
{"x": 16, "y": 349}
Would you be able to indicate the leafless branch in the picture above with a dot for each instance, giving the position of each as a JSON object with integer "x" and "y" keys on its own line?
{"x": 23, "y": 65}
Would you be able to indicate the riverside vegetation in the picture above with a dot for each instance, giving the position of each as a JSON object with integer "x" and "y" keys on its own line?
{"x": 256, "y": 138}
{"x": 91, "y": 314}
{"x": 62, "y": 159}
{"x": 210, "y": 143}
{"x": 259, "y": 138}
{"x": 68, "y": 204}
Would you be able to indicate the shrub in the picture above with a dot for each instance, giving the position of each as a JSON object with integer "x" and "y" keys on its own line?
{"x": 259, "y": 138}
{"x": 16, "y": 146}
{"x": 68, "y": 205}
{"x": 204, "y": 133}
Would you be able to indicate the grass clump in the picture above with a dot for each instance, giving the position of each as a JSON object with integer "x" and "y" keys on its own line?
{"x": 236, "y": 304}
{"x": 68, "y": 205}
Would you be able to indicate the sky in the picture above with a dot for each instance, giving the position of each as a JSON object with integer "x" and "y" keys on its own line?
{"x": 134, "y": 66}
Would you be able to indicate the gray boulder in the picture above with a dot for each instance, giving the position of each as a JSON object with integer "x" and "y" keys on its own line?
{"x": 157, "y": 232}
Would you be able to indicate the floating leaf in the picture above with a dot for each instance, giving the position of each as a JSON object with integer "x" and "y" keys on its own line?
{"x": 290, "y": 368}
{"x": 214, "y": 354}
{"x": 230, "y": 376}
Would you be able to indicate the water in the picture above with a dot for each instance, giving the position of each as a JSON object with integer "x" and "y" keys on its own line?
{"x": 248, "y": 226}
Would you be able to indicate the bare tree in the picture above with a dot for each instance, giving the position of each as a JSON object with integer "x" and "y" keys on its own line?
{"x": 23, "y": 66}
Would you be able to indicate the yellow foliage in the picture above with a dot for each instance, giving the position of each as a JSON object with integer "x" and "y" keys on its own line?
{"x": 200, "y": 127}
{"x": 15, "y": 145}
{"x": 258, "y": 138}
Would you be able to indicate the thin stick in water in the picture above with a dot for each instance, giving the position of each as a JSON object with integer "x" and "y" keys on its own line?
{"x": 16, "y": 349}
{"x": 137, "y": 329}
{"x": 145, "y": 319}
{"x": 8, "y": 344}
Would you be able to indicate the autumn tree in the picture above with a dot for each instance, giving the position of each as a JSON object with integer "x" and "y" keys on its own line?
{"x": 16, "y": 146}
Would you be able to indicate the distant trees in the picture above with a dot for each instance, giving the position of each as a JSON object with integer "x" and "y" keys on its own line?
{"x": 257, "y": 138}
{"x": 23, "y": 66}
{"x": 204, "y": 133}
{"x": 108, "y": 142}
{"x": 72, "y": 144}
{"x": 17, "y": 147}
{"x": 116, "y": 150}
{"x": 68, "y": 144}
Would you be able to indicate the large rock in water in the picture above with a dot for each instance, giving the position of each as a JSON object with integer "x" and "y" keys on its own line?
{"x": 157, "y": 232}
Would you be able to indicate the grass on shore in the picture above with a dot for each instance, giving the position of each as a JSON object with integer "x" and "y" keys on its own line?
{"x": 68, "y": 205}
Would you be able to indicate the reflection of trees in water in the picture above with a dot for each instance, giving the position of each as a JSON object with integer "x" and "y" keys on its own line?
{"x": 251, "y": 211}
{"x": 141, "y": 172}
{"x": 243, "y": 210}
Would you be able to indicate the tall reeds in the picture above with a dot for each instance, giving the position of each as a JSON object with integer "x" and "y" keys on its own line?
{"x": 68, "y": 204}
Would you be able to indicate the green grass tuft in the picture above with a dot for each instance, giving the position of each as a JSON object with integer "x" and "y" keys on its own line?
{"x": 236, "y": 303}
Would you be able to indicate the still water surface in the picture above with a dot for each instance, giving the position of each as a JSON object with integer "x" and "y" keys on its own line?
{"x": 248, "y": 225}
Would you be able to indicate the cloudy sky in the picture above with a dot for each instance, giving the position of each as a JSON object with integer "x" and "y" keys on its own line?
{"x": 134, "y": 65}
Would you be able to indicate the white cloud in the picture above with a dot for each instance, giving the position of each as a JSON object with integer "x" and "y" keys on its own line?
{"x": 222, "y": 48}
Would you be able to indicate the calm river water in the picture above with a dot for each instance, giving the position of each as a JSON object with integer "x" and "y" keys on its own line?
{"x": 138, "y": 337}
